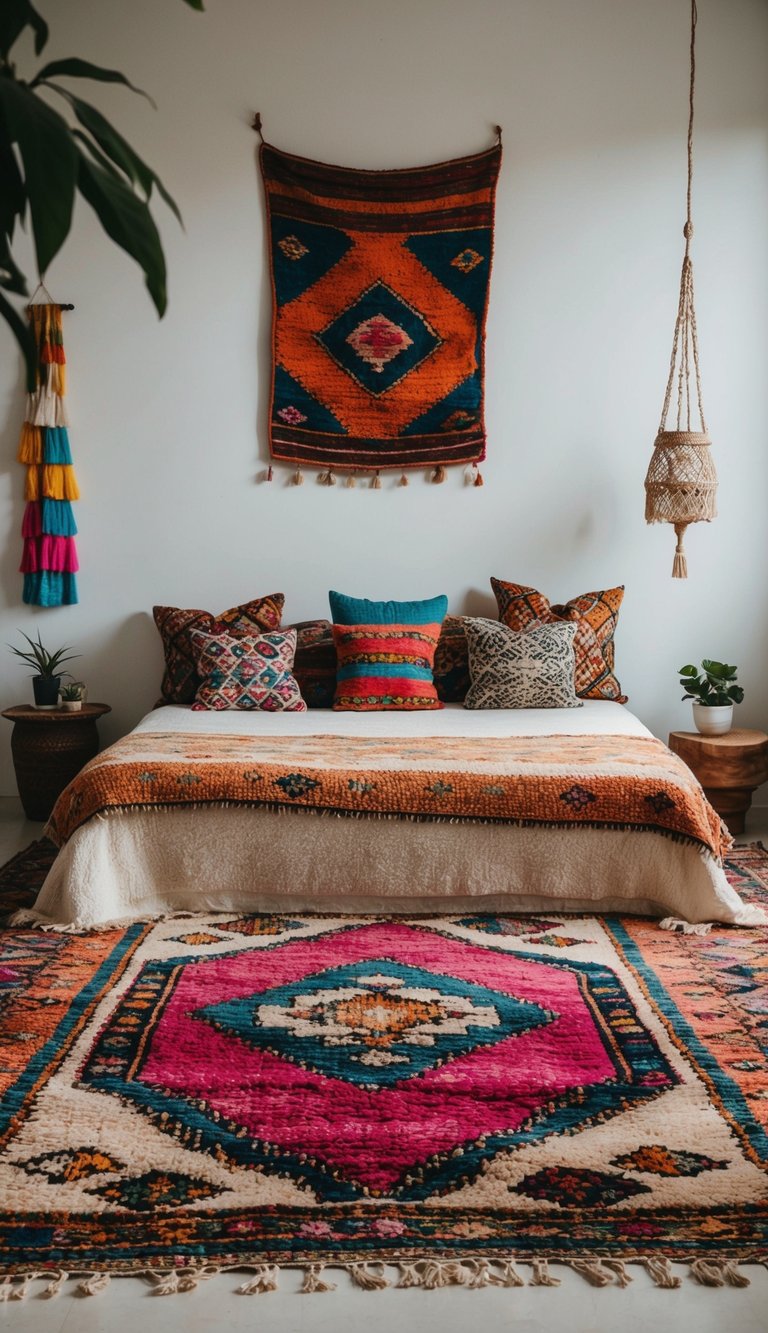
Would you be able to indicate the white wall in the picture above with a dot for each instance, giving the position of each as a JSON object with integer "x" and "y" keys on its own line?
{"x": 168, "y": 419}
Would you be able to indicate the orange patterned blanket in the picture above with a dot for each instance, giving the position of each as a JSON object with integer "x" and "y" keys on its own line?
{"x": 631, "y": 783}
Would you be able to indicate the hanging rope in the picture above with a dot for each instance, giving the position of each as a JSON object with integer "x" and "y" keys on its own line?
{"x": 681, "y": 482}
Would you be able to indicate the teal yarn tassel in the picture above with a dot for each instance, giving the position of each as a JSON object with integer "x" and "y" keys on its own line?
{"x": 49, "y": 589}
{"x": 58, "y": 518}
{"x": 56, "y": 445}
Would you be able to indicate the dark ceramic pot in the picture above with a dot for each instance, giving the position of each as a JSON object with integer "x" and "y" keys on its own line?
{"x": 46, "y": 691}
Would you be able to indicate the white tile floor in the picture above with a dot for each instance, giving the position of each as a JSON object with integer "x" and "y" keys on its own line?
{"x": 574, "y": 1306}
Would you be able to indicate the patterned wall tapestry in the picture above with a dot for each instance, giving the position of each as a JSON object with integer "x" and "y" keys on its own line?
{"x": 380, "y": 285}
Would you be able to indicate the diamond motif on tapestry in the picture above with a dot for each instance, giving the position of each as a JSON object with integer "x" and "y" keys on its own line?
{"x": 292, "y": 247}
{"x": 658, "y": 1160}
{"x": 466, "y": 260}
{"x": 375, "y": 1023}
{"x": 156, "y": 1189}
{"x": 70, "y": 1166}
{"x": 569, "y": 1186}
{"x": 379, "y": 339}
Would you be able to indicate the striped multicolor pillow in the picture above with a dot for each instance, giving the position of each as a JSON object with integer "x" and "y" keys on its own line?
{"x": 385, "y": 652}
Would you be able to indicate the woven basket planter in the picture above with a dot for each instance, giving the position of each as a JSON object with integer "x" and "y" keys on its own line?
{"x": 681, "y": 482}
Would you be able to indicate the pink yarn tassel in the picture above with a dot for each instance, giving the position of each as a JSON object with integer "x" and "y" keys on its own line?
{"x": 32, "y": 523}
{"x": 59, "y": 554}
{"x": 29, "y": 557}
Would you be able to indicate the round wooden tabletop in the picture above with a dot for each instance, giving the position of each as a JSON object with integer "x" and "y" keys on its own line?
{"x": 28, "y": 713}
{"x": 738, "y": 738}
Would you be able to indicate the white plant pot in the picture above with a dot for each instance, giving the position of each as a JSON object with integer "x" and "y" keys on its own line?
{"x": 713, "y": 721}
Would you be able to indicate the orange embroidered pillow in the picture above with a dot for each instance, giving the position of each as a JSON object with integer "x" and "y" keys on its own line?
{"x": 595, "y": 615}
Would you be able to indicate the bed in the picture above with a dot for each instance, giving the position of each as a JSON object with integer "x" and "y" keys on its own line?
{"x": 527, "y": 810}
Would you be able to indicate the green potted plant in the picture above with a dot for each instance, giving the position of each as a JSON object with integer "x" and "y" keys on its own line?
{"x": 72, "y": 696}
{"x": 713, "y": 692}
{"x": 46, "y": 669}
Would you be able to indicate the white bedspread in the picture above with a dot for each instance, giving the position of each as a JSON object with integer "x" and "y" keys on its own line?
{"x": 142, "y": 864}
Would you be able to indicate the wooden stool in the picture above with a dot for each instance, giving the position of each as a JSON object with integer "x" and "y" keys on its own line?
{"x": 49, "y": 746}
{"x": 728, "y": 767}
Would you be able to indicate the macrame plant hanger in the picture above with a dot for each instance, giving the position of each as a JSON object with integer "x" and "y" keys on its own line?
{"x": 681, "y": 482}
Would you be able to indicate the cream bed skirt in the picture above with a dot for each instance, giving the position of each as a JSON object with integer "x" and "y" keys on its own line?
{"x": 142, "y": 864}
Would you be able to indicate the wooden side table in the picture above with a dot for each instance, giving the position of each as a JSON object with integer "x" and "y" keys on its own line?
{"x": 49, "y": 746}
{"x": 728, "y": 767}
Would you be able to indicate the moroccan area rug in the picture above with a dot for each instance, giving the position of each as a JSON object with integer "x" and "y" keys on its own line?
{"x": 457, "y": 1099}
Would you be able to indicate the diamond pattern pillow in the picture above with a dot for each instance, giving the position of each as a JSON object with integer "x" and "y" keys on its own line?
{"x": 511, "y": 670}
{"x": 595, "y": 615}
{"x": 247, "y": 671}
{"x": 175, "y": 625}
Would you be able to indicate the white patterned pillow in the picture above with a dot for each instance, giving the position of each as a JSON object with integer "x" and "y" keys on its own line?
{"x": 510, "y": 670}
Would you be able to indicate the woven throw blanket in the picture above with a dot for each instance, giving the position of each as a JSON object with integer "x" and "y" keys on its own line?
{"x": 380, "y": 287}
{"x": 596, "y": 781}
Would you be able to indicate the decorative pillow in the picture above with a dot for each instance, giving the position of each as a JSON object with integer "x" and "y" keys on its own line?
{"x": 386, "y": 652}
{"x": 511, "y": 670}
{"x": 180, "y": 681}
{"x": 247, "y": 671}
{"x": 451, "y": 670}
{"x": 595, "y": 615}
{"x": 314, "y": 665}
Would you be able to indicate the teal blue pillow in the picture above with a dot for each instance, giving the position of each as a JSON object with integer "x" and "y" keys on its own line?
{"x": 360, "y": 611}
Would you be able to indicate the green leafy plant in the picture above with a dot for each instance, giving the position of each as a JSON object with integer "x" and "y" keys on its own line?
{"x": 73, "y": 691}
{"x": 44, "y": 160}
{"x": 42, "y": 662}
{"x": 715, "y": 687}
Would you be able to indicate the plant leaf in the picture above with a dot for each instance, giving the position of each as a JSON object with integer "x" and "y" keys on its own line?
{"x": 15, "y": 16}
{"x": 11, "y": 276}
{"x": 83, "y": 69}
{"x": 23, "y": 336}
{"x": 49, "y": 159}
{"x": 736, "y": 694}
{"x": 688, "y": 671}
{"x": 714, "y": 669}
{"x": 117, "y": 148}
{"x": 128, "y": 222}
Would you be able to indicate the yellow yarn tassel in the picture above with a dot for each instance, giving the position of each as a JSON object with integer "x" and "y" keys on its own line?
{"x": 351, "y": 481}
{"x": 56, "y": 378}
{"x": 438, "y": 476}
{"x": 376, "y": 483}
{"x": 298, "y": 477}
{"x": 32, "y": 484}
{"x": 59, "y": 482}
{"x": 30, "y": 444}
{"x": 404, "y": 480}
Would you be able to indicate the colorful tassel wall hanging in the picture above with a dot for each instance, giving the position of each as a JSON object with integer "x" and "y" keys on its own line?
{"x": 49, "y": 559}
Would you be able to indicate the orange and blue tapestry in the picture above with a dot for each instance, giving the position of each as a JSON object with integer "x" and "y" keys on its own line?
{"x": 380, "y": 289}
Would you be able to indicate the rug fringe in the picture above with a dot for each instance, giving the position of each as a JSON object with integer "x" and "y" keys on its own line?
{"x": 428, "y": 1274}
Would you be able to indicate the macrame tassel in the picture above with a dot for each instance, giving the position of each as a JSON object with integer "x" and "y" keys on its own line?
{"x": 680, "y": 564}
{"x": 264, "y": 1279}
{"x": 313, "y": 1281}
{"x": 327, "y": 478}
{"x": 298, "y": 477}
{"x": 479, "y": 478}
{"x": 541, "y": 1274}
{"x": 376, "y": 482}
{"x": 46, "y": 409}
{"x": 661, "y": 1272}
{"x": 593, "y": 1271}
{"x": 404, "y": 480}
{"x": 370, "y": 1277}
{"x": 91, "y": 1286}
{"x": 56, "y": 445}
{"x": 351, "y": 481}
{"x": 58, "y": 518}
{"x": 30, "y": 444}
{"x": 32, "y": 522}
{"x": 438, "y": 476}
{"x": 508, "y": 1277}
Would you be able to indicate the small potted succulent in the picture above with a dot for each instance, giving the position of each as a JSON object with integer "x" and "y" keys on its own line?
{"x": 713, "y": 692}
{"x": 72, "y": 695}
{"x": 46, "y": 669}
